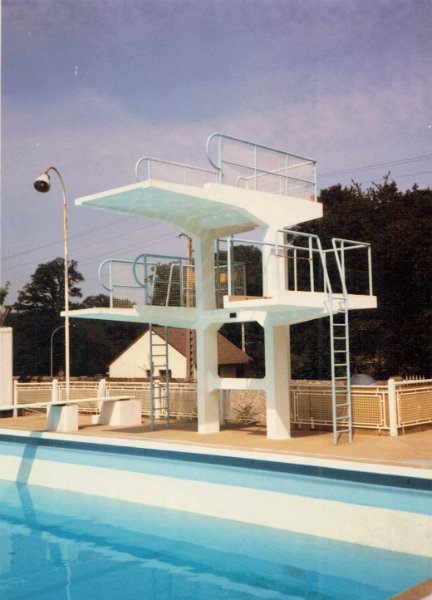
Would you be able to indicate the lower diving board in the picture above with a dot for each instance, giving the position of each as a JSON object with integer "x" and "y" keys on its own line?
{"x": 118, "y": 411}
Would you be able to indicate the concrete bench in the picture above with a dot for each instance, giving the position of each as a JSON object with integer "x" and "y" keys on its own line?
{"x": 117, "y": 411}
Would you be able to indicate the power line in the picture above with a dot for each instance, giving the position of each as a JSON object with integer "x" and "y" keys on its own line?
{"x": 87, "y": 245}
{"x": 401, "y": 176}
{"x": 393, "y": 163}
{"x": 76, "y": 235}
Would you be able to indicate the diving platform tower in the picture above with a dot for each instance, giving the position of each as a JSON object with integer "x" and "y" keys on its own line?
{"x": 249, "y": 187}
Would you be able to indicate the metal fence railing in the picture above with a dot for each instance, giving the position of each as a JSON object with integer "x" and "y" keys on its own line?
{"x": 242, "y": 164}
{"x": 158, "y": 280}
{"x": 173, "y": 172}
{"x": 414, "y": 402}
{"x": 261, "y": 168}
{"x": 311, "y": 404}
{"x": 310, "y": 401}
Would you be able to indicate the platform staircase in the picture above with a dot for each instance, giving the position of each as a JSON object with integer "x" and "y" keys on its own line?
{"x": 159, "y": 376}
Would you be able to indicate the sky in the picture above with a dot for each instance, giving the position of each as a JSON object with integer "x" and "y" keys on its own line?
{"x": 92, "y": 85}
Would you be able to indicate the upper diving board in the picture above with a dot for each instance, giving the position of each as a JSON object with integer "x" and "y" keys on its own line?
{"x": 218, "y": 208}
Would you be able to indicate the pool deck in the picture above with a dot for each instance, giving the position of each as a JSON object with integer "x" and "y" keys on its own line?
{"x": 412, "y": 449}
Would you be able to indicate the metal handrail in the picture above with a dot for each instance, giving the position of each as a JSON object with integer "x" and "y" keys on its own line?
{"x": 281, "y": 172}
{"x": 340, "y": 260}
{"x": 235, "y": 139}
{"x": 184, "y": 166}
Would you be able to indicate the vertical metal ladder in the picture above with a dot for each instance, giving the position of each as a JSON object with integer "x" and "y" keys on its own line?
{"x": 340, "y": 366}
{"x": 340, "y": 351}
{"x": 159, "y": 384}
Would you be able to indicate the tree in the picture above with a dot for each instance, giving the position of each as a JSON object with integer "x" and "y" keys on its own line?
{"x": 45, "y": 292}
{"x": 37, "y": 313}
{"x": 4, "y": 290}
{"x": 395, "y": 338}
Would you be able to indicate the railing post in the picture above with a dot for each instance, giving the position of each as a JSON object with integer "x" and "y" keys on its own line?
{"x": 229, "y": 262}
{"x": 111, "y": 285}
{"x": 54, "y": 391}
{"x": 222, "y": 407}
{"x": 15, "y": 397}
{"x": 101, "y": 388}
{"x": 370, "y": 270}
{"x": 311, "y": 267}
{"x": 255, "y": 167}
{"x": 392, "y": 404}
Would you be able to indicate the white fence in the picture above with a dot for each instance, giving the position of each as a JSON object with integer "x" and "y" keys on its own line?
{"x": 391, "y": 407}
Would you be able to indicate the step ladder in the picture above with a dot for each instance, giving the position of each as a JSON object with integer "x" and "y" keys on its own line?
{"x": 340, "y": 366}
{"x": 159, "y": 376}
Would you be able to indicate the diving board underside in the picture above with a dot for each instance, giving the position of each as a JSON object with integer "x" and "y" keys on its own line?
{"x": 223, "y": 209}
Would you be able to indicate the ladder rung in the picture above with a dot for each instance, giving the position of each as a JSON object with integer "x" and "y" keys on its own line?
{"x": 340, "y": 378}
{"x": 339, "y": 351}
{"x": 341, "y": 364}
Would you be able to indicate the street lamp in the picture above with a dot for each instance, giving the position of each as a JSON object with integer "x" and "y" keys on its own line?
{"x": 43, "y": 184}
{"x": 51, "y": 348}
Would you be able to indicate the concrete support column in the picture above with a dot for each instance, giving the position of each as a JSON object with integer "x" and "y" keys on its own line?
{"x": 207, "y": 367}
{"x": 277, "y": 381}
{"x": 392, "y": 404}
{"x": 205, "y": 288}
{"x": 6, "y": 366}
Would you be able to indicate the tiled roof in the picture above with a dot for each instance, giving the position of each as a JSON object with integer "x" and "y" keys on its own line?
{"x": 228, "y": 353}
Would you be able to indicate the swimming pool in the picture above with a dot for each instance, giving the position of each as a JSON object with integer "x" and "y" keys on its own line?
{"x": 57, "y": 545}
{"x": 171, "y": 542}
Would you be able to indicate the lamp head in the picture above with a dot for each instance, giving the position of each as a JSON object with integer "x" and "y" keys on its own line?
{"x": 43, "y": 183}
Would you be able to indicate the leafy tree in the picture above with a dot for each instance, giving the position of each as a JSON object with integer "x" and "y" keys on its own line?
{"x": 4, "y": 290}
{"x": 45, "y": 292}
{"x": 37, "y": 313}
{"x": 395, "y": 338}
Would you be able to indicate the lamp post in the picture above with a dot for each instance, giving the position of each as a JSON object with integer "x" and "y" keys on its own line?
{"x": 43, "y": 184}
{"x": 51, "y": 348}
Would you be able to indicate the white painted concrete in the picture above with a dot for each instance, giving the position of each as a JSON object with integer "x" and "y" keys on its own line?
{"x": 277, "y": 381}
{"x": 389, "y": 529}
{"x": 208, "y": 398}
{"x": 123, "y": 413}
{"x": 205, "y": 214}
{"x": 62, "y": 417}
{"x": 6, "y": 365}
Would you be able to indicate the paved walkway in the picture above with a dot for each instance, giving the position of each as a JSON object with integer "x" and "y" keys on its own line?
{"x": 414, "y": 449}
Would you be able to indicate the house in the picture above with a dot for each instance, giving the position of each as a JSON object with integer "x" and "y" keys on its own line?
{"x": 134, "y": 361}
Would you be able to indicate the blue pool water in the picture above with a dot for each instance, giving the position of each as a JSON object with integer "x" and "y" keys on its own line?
{"x": 59, "y": 545}
{"x": 369, "y": 489}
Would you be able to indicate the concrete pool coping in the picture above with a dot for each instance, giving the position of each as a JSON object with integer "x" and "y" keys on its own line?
{"x": 369, "y": 451}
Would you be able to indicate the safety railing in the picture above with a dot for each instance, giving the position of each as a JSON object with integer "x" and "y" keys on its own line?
{"x": 261, "y": 168}
{"x": 342, "y": 250}
{"x": 301, "y": 264}
{"x": 117, "y": 278}
{"x": 174, "y": 172}
{"x": 239, "y": 163}
{"x": 310, "y": 401}
{"x": 160, "y": 280}
{"x": 414, "y": 402}
{"x": 311, "y": 404}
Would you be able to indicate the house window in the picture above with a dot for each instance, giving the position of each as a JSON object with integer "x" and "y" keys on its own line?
{"x": 162, "y": 373}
